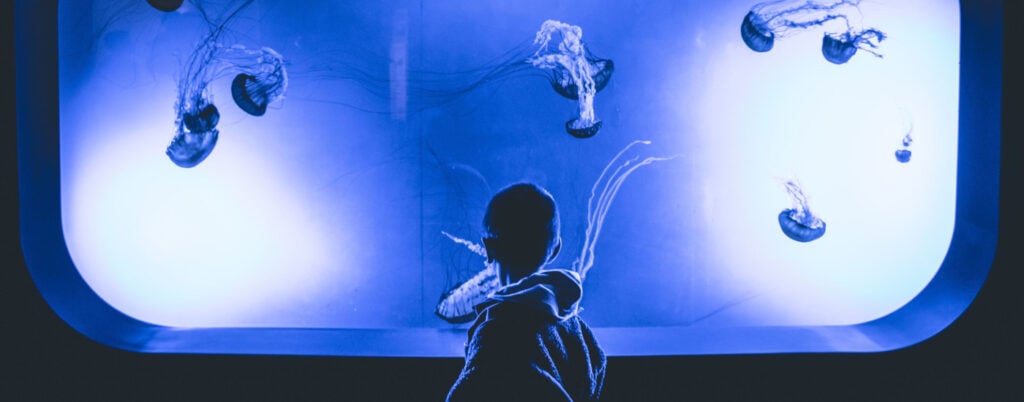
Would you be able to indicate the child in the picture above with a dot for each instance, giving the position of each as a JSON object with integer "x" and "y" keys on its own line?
{"x": 528, "y": 342}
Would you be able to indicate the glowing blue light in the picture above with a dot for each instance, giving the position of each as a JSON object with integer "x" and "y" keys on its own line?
{"x": 322, "y": 221}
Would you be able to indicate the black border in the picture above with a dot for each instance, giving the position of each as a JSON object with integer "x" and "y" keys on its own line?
{"x": 979, "y": 357}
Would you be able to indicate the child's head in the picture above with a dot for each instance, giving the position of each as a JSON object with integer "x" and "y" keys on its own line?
{"x": 522, "y": 228}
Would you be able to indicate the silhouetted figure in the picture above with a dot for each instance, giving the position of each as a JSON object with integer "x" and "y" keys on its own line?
{"x": 528, "y": 342}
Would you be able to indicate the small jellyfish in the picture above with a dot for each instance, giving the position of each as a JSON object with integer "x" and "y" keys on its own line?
{"x": 457, "y": 304}
{"x": 903, "y": 154}
{"x": 262, "y": 82}
{"x": 799, "y": 223}
{"x": 575, "y": 71}
{"x": 768, "y": 21}
{"x": 165, "y": 5}
{"x": 838, "y": 48}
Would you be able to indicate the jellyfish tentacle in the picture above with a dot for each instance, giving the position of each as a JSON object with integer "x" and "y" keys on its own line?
{"x": 610, "y": 186}
{"x": 474, "y": 247}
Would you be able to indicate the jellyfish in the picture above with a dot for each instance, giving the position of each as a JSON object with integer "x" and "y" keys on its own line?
{"x": 573, "y": 71}
{"x": 165, "y": 5}
{"x": 457, "y": 304}
{"x": 799, "y": 223}
{"x": 260, "y": 80}
{"x": 903, "y": 154}
{"x": 770, "y": 20}
{"x": 838, "y": 48}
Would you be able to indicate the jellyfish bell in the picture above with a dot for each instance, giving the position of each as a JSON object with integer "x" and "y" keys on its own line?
{"x": 165, "y": 5}
{"x": 262, "y": 81}
{"x": 903, "y": 155}
{"x": 579, "y": 130}
{"x": 563, "y": 84}
{"x": 188, "y": 149}
{"x": 838, "y": 48}
{"x": 754, "y": 35}
{"x": 248, "y": 94}
{"x": 800, "y": 229}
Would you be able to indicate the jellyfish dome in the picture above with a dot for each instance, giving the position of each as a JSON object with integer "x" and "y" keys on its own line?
{"x": 562, "y": 82}
{"x": 262, "y": 83}
{"x": 189, "y": 149}
{"x": 903, "y": 155}
{"x": 165, "y": 5}
{"x": 755, "y": 35}
{"x": 580, "y": 130}
{"x": 796, "y": 228}
{"x": 837, "y": 49}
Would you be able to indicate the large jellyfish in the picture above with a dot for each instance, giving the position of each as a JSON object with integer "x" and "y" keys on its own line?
{"x": 781, "y": 18}
{"x": 799, "y": 223}
{"x": 574, "y": 72}
{"x": 261, "y": 79}
{"x": 457, "y": 304}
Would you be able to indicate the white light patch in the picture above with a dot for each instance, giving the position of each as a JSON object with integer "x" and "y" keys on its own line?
{"x": 227, "y": 243}
{"x": 789, "y": 114}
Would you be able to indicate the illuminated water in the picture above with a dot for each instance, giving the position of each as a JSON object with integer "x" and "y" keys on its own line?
{"x": 328, "y": 210}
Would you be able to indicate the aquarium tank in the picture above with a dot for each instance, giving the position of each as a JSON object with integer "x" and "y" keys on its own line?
{"x": 280, "y": 177}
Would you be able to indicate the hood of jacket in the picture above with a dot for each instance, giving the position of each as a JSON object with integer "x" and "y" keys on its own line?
{"x": 556, "y": 292}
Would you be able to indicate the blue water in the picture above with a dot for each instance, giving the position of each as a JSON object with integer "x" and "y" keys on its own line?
{"x": 328, "y": 209}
